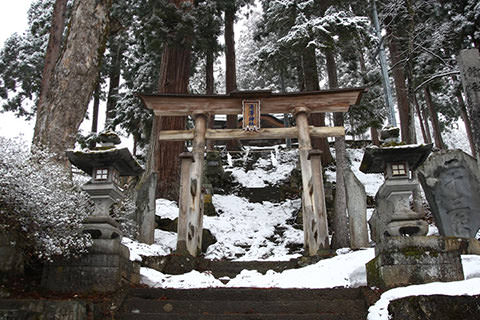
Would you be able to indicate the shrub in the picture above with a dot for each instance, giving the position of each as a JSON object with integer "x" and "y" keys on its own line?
{"x": 40, "y": 202}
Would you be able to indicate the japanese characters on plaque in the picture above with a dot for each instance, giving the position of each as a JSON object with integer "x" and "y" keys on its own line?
{"x": 469, "y": 66}
{"x": 251, "y": 115}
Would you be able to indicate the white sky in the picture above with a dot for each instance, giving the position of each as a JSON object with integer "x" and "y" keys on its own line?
{"x": 13, "y": 18}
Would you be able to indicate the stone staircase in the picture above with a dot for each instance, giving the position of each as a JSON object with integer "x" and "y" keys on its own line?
{"x": 244, "y": 303}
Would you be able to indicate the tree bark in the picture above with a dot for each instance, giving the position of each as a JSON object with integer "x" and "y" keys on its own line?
{"x": 73, "y": 78}
{"x": 375, "y": 138}
{"x": 422, "y": 123}
{"x": 230, "y": 67}
{"x": 400, "y": 87}
{"x": 427, "y": 124}
{"x": 54, "y": 48}
{"x": 116, "y": 50}
{"x": 310, "y": 76}
{"x": 434, "y": 117}
{"x": 174, "y": 78}
{"x": 340, "y": 230}
{"x": 96, "y": 105}
{"x": 210, "y": 89}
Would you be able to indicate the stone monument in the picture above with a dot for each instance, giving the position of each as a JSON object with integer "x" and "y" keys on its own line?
{"x": 107, "y": 264}
{"x": 403, "y": 254}
{"x": 357, "y": 210}
{"x": 451, "y": 181}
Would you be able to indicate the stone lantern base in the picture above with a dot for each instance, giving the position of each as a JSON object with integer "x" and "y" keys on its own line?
{"x": 105, "y": 268}
{"x": 402, "y": 261}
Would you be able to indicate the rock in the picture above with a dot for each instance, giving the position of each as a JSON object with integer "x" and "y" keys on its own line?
{"x": 390, "y": 134}
{"x": 207, "y": 240}
{"x": 435, "y": 307}
{"x": 208, "y": 207}
{"x": 166, "y": 224}
{"x": 451, "y": 181}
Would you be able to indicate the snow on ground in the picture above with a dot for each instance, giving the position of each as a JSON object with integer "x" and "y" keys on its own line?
{"x": 244, "y": 230}
{"x": 345, "y": 270}
{"x": 165, "y": 243}
{"x": 266, "y": 171}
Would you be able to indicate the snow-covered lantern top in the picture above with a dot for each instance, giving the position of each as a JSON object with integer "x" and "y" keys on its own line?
{"x": 394, "y": 162}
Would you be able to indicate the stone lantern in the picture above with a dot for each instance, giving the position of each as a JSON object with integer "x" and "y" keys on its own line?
{"x": 107, "y": 264}
{"x": 393, "y": 216}
{"x": 403, "y": 253}
{"x": 106, "y": 165}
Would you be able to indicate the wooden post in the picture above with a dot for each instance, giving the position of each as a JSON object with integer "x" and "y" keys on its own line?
{"x": 311, "y": 221}
{"x": 195, "y": 218}
{"x": 184, "y": 202}
{"x": 319, "y": 206}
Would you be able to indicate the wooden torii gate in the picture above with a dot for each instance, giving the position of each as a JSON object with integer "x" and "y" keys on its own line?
{"x": 200, "y": 107}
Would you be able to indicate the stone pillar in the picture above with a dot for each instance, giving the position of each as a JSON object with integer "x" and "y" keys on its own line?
{"x": 357, "y": 210}
{"x": 145, "y": 211}
{"x": 184, "y": 202}
{"x": 469, "y": 65}
{"x": 314, "y": 228}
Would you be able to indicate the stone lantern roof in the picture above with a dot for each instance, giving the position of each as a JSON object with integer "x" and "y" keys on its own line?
{"x": 375, "y": 158}
{"x": 121, "y": 159}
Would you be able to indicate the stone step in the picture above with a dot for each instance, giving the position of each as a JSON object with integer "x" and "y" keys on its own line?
{"x": 181, "y": 316}
{"x": 253, "y": 294}
{"x": 174, "y": 264}
{"x": 322, "y": 306}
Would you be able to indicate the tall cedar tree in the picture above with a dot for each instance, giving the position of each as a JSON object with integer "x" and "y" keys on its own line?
{"x": 73, "y": 78}
{"x": 174, "y": 78}
{"x": 53, "y": 50}
{"x": 230, "y": 63}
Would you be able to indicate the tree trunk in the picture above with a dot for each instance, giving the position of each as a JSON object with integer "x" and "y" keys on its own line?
{"x": 434, "y": 117}
{"x": 230, "y": 68}
{"x": 410, "y": 78}
{"x": 310, "y": 76}
{"x": 466, "y": 120}
{"x": 174, "y": 78}
{"x": 96, "y": 105}
{"x": 54, "y": 48}
{"x": 400, "y": 87}
{"x": 73, "y": 78}
{"x": 374, "y": 134}
{"x": 210, "y": 89}
{"x": 340, "y": 230}
{"x": 116, "y": 50}
{"x": 422, "y": 123}
{"x": 427, "y": 124}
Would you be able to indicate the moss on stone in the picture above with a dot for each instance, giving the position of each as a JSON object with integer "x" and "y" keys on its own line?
{"x": 374, "y": 277}
{"x": 418, "y": 252}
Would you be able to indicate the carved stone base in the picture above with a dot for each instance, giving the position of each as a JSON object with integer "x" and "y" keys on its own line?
{"x": 104, "y": 269}
{"x": 402, "y": 261}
